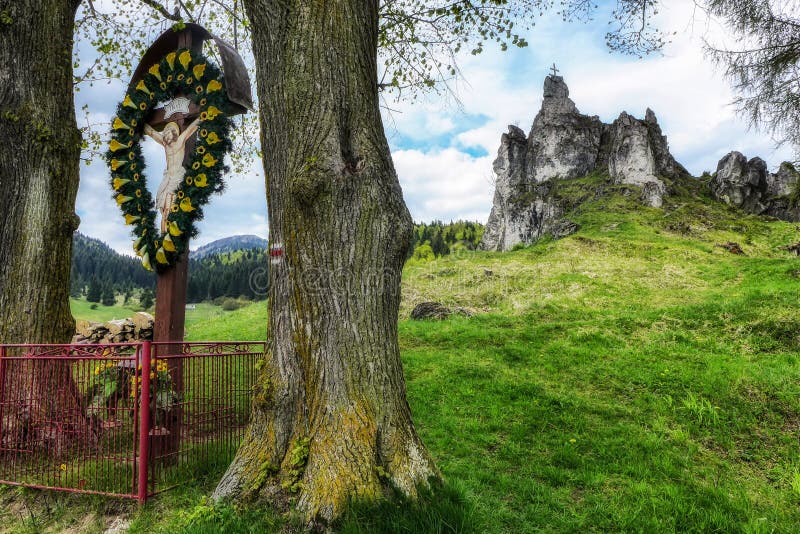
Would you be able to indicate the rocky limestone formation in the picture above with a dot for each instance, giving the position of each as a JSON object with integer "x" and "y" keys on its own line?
{"x": 747, "y": 184}
{"x": 565, "y": 144}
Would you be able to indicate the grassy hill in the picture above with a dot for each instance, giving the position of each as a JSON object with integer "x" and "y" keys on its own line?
{"x": 632, "y": 377}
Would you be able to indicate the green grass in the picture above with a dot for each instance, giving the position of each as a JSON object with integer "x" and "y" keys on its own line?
{"x": 82, "y": 309}
{"x": 631, "y": 377}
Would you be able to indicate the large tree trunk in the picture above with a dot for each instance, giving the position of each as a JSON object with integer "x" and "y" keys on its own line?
{"x": 39, "y": 161}
{"x": 331, "y": 421}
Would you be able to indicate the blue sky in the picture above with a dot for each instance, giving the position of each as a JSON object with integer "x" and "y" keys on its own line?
{"x": 443, "y": 146}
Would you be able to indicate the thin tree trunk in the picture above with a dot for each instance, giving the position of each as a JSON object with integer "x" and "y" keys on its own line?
{"x": 39, "y": 160}
{"x": 331, "y": 421}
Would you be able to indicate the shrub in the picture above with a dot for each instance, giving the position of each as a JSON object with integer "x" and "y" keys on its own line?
{"x": 230, "y": 304}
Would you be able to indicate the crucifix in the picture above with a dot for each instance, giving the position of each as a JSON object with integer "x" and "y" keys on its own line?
{"x": 178, "y": 141}
{"x": 555, "y": 70}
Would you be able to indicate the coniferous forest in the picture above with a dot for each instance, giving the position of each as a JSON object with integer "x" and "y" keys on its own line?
{"x": 99, "y": 273}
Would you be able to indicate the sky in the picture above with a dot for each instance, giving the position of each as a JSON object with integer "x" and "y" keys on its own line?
{"x": 443, "y": 146}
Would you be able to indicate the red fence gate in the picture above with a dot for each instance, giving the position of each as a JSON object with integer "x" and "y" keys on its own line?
{"x": 125, "y": 420}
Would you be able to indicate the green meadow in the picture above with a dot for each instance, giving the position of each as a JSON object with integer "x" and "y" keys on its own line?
{"x": 634, "y": 376}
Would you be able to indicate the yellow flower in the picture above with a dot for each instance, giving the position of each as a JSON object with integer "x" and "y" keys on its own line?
{"x": 212, "y": 113}
{"x": 174, "y": 208}
{"x": 213, "y": 139}
{"x": 146, "y": 261}
{"x": 180, "y": 77}
{"x": 131, "y": 155}
{"x": 138, "y": 193}
{"x": 199, "y": 70}
{"x": 136, "y": 177}
{"x": 119, "y": 182}
{"x": 186, "y": 205}
{"x": 209, "y": 161}
{"x": 155, "y": 72}
{"x": 196, "y": 165}
{"x": 189, "y": 80}
{"x": 169, "y": 246}
{"x": 203, "y": 132}
{"x": 189, "y": 180}
{"x": 214, "y": 85}
{"x": 201, "y": 150}
{"x": 185, "y": 58}
{"x": 201, "y": 180}
{"x": 161, "y": 256}
{"x": 63, "y": 467}
{"x": 115, "y": 145}
{"x": 203, "y": 101}
{"x": 141, "y": 86}
{"x": 130, "y": 219}
{"x": 137, "y": 243}
{"x": 163, "y": 86}
{"x": 171, "y": 60}
{"x": 142, "y": 106}
{"x": 122, "y": 199}
{"x": 173, "y": 229}
{"x": 181, "y": 194}
{"x": 116, "y": 164}
{"x": 129, "y": 102}
{"x": 119, "y": 125}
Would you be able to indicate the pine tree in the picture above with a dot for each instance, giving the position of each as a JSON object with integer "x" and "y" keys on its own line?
{"x": 95, "y": 291}
{"x": 108, "y": 298}
{"x": 146, "y": 300}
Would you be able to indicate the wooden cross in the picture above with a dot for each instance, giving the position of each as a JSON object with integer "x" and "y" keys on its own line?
{"x": 179, "y": 110}
{"x": 555, "y": 70}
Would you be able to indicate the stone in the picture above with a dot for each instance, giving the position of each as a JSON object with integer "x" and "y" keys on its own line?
{"x": 564, "y": 144}
{"x": 564, "y": 228}
{"x": 732, "y": 247}
{"x": 436, "y": 310}
{"x": 430, "y": 310}
{"x": 632, "y": 161}
{"x": 783, "y": 182}
{"x": 748, "y": 185}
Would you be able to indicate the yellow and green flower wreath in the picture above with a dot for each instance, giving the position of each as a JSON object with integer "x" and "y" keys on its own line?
{"x": 192, "y": 75}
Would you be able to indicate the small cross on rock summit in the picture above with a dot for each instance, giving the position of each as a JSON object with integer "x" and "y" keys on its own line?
{"x": 555, "y": 70}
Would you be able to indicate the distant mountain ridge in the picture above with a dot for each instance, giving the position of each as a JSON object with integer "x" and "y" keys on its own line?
{"x": 230, "y": 244}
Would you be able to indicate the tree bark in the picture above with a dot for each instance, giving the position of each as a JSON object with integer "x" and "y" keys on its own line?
{"x": 330, "y": 418}
{"x": 39, "y": 161}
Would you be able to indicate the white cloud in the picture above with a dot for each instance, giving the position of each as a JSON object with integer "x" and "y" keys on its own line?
{"x": 446, "y": 184}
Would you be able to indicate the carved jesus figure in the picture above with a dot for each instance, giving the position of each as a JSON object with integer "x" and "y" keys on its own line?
{"x": 174, "y": 143}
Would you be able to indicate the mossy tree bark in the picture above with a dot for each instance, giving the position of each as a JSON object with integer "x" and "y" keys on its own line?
{"x": 39, "y": 161}
{"x": 331, "y": 421}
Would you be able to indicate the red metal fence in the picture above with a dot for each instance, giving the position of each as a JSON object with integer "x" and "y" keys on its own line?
{"x": 125, "y": 420}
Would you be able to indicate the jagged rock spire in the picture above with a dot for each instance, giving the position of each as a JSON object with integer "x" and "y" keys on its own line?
{"x": 565, "y": 144}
